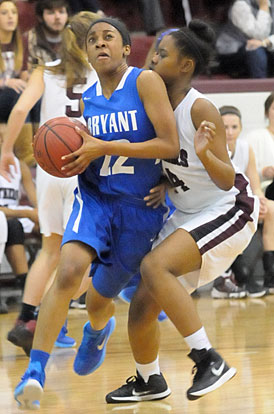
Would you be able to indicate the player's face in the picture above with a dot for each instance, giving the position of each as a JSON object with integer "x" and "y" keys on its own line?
{"x": 8, "y": 17}
{"x": 55, "y": 19}
{"x": 233, "y": 129}
{"x": 105, "y": 47}
{"x": 166, "y": 60}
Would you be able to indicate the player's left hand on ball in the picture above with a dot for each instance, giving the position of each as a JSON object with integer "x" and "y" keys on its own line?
{"x": 79, "y": 160}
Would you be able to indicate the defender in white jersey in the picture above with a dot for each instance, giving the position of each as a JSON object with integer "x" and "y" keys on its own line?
{"x": 60, "y": 84}
{"x": 215, "y": 219}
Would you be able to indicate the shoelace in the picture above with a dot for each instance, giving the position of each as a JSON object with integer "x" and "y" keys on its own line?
{"x": 130, "y": 380}
{"x": 197, "y": 371}
{"x": 31, "y": 371}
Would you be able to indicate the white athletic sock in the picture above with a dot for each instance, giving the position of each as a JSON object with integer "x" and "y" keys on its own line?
{"x": 146, "y": 370}
{"x": 198, "y": 340}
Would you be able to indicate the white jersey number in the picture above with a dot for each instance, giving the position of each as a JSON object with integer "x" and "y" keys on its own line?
{"x": 118, "y": 167}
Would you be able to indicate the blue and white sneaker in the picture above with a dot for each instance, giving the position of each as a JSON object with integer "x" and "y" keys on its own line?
{"x": 29, "y": 391}
{"x": 64, "y": 341}
{"x": 92, "y": 350}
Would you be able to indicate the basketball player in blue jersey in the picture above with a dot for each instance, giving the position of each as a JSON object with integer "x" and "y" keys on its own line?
{"x": 215, "y": 218}
{"x": 132, "y": 126}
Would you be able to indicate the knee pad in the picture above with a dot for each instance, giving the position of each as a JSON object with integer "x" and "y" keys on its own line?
{"x": 16, "y": 233}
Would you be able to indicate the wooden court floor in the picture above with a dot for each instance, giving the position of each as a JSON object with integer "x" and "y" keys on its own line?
{"x": 242, "y": 330}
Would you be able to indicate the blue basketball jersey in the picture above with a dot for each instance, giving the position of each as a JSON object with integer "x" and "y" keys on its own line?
{"x": 122, "y": 117}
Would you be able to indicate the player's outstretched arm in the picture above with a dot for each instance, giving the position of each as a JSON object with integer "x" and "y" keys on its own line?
{"x": 27, "y": 100}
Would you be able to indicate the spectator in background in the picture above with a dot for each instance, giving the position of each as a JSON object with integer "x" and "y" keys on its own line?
{"x": 13, "y": 73}
{"x": 44, "y": 39}
{"x": 3, "y": 239}
{"x": 21, "y": 219}
{"x": 238, "y": 281}
{"x": 152, "y": 16}
{"x": 262, "y": 142}
{"x": 246, "y": 43}
{"x": 89, "y": 5}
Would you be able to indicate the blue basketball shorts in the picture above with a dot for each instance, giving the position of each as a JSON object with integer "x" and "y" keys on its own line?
{"x": 120, "y": 229}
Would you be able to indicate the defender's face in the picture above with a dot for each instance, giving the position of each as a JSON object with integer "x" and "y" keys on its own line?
{"x": 166, "y": 59}
{"x": 105, "y": 46}
{"x": 8, "y": 16}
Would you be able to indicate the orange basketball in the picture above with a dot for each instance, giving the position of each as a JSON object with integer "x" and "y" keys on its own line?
{"x": 55, "y": 138}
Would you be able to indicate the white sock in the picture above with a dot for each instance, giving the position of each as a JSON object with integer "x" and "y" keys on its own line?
{"x": 146, "y": 370}
{"x": 198, "y": 340}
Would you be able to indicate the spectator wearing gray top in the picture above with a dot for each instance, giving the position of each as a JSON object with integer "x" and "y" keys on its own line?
{"x": 247, "y": 40}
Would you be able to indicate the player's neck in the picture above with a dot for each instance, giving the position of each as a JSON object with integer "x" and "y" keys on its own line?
{"x": 110, "y": 81}
{"x": 177, "y": 94}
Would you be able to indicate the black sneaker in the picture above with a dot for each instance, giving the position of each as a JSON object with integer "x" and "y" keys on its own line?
{"x": 254, "y": 290}
{"x": 212, "y": 372}
{"x": 136, "y": 389}
{"x": 269, "y": 285}
{"x": 22, "y": 334}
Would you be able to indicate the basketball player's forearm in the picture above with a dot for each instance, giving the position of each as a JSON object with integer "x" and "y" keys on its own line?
{"x": 221, "y": 173}
{"x": 15, "y": 123}
{"x": 12, "y": 213}
{"x": 154, "y": 148}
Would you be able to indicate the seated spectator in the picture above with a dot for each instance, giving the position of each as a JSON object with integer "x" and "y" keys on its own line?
{"x": 152, "y": 16}
{"x": 88, "y": 5}
{"x": 44, "y": 40}
{"x": 3, "y": 239}
{"x": 20, "y": 219}
{"x": 262, "y": 142}
{"x": 13, "y": 74}
{"x": 246, "y": 43}
{"x": 238, "y": 281}
{"x": 150, "y": 11}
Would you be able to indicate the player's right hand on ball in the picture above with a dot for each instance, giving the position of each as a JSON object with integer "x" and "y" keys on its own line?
{"x": 79, "y": 160}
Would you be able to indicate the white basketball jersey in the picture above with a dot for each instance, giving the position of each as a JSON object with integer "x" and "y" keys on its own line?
{"x": 241, "y": 155}
{"x": 193, "y": 188}
{"x": 10, "y": 191}
{"x": 58, "y": 100}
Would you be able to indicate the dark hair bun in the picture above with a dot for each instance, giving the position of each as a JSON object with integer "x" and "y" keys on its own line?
{"x": 202, "y": 30}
